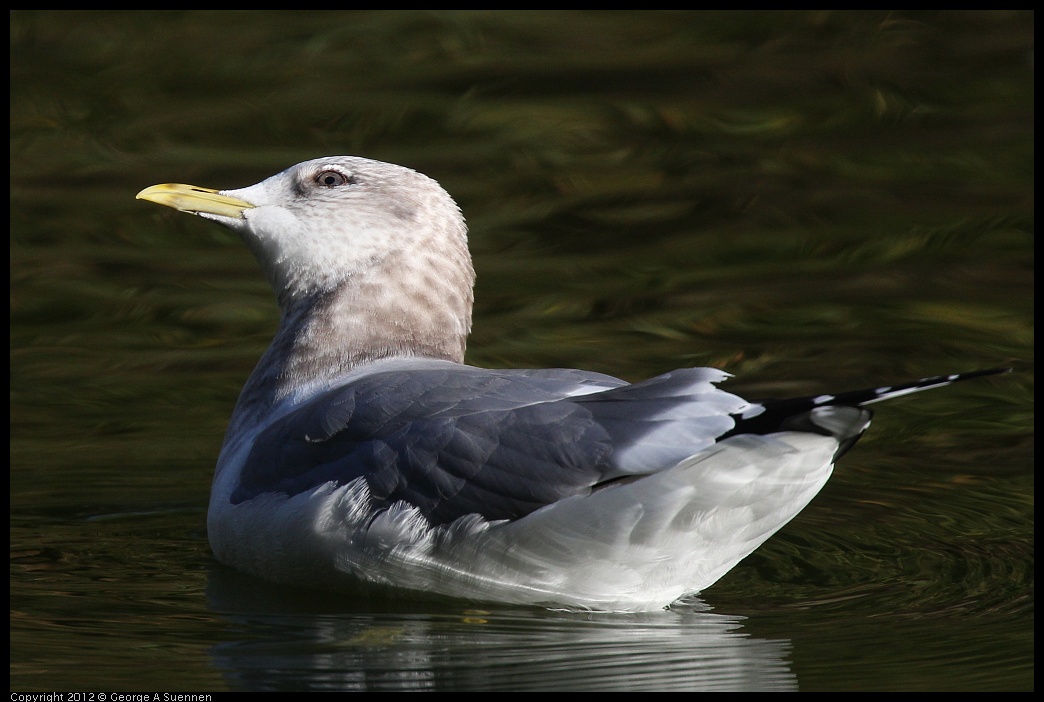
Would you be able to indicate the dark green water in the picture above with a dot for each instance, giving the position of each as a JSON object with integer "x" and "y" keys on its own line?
{"x": 811, "y": 201}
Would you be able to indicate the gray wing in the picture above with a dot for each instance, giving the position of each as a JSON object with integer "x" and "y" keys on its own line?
{"x": 457, "y": 440}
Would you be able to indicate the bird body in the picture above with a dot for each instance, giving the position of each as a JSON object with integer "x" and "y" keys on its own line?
{"x": 363, "y": 449}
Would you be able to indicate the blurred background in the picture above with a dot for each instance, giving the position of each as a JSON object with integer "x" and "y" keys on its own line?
{"x": 812, "y": 201}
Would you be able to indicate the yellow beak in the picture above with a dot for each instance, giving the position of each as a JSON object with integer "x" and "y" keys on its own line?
{"x": 195, "y": 200}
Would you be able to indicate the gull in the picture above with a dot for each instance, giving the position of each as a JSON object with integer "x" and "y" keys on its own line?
{"x": 363, "y": 449}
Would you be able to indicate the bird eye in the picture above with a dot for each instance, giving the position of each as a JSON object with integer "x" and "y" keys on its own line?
{"x": 333, "y": 179}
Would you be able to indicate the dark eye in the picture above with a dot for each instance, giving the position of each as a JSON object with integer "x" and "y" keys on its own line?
{"x": 333, "y": 179}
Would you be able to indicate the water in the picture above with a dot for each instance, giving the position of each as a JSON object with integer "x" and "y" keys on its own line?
{"x": 812, "y": 201}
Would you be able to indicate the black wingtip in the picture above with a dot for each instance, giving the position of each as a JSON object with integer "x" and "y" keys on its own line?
{"x": 776, "y": 414}
{"x": 872, "y": 395}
